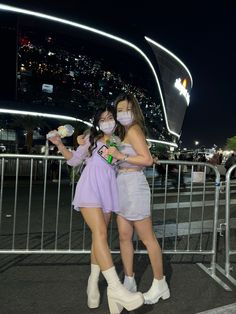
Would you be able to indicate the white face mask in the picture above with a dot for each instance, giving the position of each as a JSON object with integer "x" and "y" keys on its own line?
{"x": 125, "y": 117}
{"x": 107, "y": 127}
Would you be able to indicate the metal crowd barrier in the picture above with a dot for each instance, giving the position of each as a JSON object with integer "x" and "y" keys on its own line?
{"x": 199, "y": 236}
{"x": 36, "y": 215}
{"x": 230, "y": 226}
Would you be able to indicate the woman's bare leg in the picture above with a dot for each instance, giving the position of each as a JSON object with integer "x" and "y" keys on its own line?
{"x": 159, "y": 288}
{"x": 93, "y": 292}
{"x": 107, "y": 218}
{"x": 147, "y": 236}
{"x": 118, "y": 295}
{"x": 126, "y": 230}
{"x": 95, "y": 220}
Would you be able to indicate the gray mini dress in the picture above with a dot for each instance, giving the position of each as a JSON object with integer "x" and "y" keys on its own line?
{"x": 133, "y": 189}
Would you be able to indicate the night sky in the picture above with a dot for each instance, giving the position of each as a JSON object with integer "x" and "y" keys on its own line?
{"x": 200, "y": 33}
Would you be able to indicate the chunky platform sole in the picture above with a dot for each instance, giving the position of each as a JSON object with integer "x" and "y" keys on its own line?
{"x": 116, "y": 307}
{"x": 164, "y": 296}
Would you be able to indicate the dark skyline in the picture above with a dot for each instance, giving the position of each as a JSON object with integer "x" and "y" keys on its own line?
{"x": 201, "y": 35}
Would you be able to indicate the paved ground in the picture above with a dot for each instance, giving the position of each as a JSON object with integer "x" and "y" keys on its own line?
{"x": 227, "y": 309}
{"x": 41, "y": 284}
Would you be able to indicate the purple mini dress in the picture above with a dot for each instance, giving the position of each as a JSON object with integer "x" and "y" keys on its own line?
{"x": 97, "y": 186}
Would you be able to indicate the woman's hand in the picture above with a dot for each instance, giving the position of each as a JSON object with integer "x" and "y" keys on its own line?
{"x": 56, "y": 139}
{"x": 156, "y": 160}
{"x": 113, "y": 151}
{"x": 81, "y": 140}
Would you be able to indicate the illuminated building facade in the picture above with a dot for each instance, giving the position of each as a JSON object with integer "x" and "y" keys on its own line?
{"x": 60, "y": 67}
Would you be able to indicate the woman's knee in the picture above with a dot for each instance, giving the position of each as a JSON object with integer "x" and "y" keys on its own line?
{"x": 125, "y": 236}
{"x": 150, "y": 241}
{"x": 100, "y": 234}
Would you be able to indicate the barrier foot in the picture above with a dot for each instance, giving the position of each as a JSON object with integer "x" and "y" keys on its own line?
{"x": 214, "y": 277}
{"x": 223, "y": 272}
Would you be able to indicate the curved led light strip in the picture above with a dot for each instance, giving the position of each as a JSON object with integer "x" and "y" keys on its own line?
{"x": 162, "y": 142}
{"x": 45, "y": 115}
{"x": 172, "y": 55}
{"x": 56, "y": 116}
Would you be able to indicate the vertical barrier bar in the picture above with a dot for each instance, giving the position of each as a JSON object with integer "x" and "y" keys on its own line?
{"x": 29, "y": 205}
{"x": 214, "y": 240}
{"x": 227, "y": 223}
{"x": 84, "y": 233}
{"x": 15, "y": 204}
{"x": 111, "y": 233}
{"x": 58, "y": 205}
{"x": 153, "y": 182}
{"x": 177, "y": 213}
{"x": 203, "y": 208}
{"x": 71, "y": 208}
{"x": 164, "y": 213}
{"x": 1, "y": 194}
{"x": 44, "y": 200}
{"x": 190, "y": 212}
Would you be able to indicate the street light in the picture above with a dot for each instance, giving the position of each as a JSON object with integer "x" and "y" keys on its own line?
{"x": 196, "y": 143}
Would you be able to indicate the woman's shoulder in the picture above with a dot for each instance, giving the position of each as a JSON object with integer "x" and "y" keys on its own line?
{"x": 134, "y": 130}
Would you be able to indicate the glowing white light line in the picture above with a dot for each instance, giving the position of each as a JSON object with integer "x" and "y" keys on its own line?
{"x": 45, "y": 115}
{"x": 172, "y": 55}
{"x": 94, "y": 30}
{"x": 57, "y": 116}
{"x": 162, "y": 142}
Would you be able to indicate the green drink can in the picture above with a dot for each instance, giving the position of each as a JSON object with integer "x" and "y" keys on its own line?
{"x": 110, "y": 157}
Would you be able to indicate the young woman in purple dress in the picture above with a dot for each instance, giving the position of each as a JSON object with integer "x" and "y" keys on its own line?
{"x": 96, "y": 196}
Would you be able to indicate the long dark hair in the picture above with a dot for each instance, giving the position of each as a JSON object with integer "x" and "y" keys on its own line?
{"x": 136, "y": 110}
{"x": 95, "y": 133}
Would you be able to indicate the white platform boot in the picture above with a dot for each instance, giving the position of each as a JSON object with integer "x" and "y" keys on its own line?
{"x": 92, "y": 287}
{"x": 118, "y": 296}
{"x": 130, "y": 283}
{"x": 159, "y": 289}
